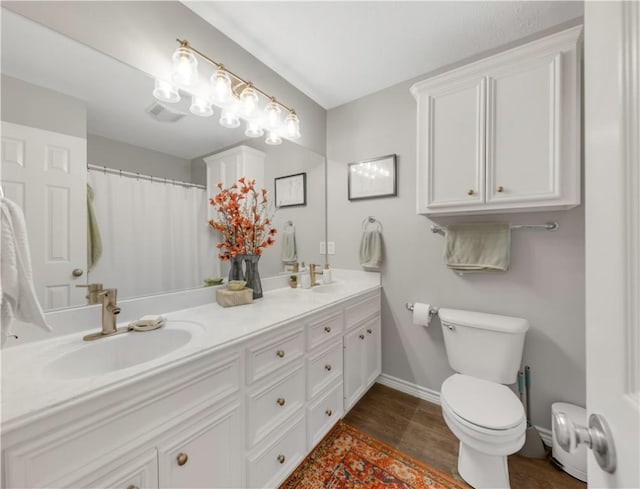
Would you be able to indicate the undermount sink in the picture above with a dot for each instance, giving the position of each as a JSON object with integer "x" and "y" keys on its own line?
{"x": 122, "y": 351}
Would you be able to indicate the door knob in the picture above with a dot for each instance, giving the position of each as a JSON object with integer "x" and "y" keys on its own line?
{"x": 361, "y": 336}
{"x": 500, "y": 189}
{"x": 77, "y": 272}
{"x": 182, "y": 458}
{"x": 327, "y": 329}
{"x": 280, "y": 353}
{"x": 470, "y": 192}
{"x": 280, "y": 401}
{"x": 327, "y": 367}
{"x": 597, "y": 437}
{"x": 281, "y": 458}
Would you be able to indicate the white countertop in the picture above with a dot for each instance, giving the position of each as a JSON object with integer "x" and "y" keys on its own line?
{"x": 31, "y": 391}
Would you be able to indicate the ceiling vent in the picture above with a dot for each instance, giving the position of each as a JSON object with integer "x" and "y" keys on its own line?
{"x": 162, "y": 113}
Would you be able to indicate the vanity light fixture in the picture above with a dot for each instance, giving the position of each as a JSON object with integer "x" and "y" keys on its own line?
{"x": 237, "y": 97}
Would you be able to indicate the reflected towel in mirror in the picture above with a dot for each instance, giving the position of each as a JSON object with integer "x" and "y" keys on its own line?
{"x": 289, "y": 253}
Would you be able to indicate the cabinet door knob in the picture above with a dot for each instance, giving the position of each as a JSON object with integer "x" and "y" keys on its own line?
{"x": 280, "y": 401}
{"x": 327, "y": 367}
{"x": 132, "y": 487}
{"x": 182, "y": 459}
{"x": 470, "y": 192}
{"x": 328, "y": 412}
{"x": 500, "y": 189}
{"x": 327, "y": 329}
{"x": 281, "y": 458}
{"x": 77, "y": 272}
{"x": 361, "y": 336}
{"x": 280, "y": 353}
{"x": 369, "y": 331}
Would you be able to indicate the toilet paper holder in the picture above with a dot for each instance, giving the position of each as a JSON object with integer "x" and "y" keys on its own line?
{"x": 433, "y": 311}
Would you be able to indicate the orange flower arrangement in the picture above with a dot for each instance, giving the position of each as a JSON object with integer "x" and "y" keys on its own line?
{"x": 244, "y": 219}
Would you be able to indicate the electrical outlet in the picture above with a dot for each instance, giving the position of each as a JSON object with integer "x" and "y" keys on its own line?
{"x": 323, "y": 247}
{"x": 331, "y": 247}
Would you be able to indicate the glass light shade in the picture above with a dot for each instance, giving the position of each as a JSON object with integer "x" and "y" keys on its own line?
{"x": 273, "y": 138}
{"x": 221, "y": 82}
{"x": 292, "y": 126}
{"x": 200, "y": 106}
{"x": 253, "y": 130}
{"x": 165, "y": 92}
{"x": 272, "y": 116}
{"x": 185, "y": 67}
{"x": 229, "y": 119}
{"x": 249, "y": 100}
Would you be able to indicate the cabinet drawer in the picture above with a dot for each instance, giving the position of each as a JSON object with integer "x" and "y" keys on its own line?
{"x": 324, "y": 329}
{"x": 269, "y": 466}
{"x": 362, "y": 310}
{"x": 270, "y": 406}
{"x": 135, "y": 469}
{"x": 323, "y": 369}
{"x": 263, "y": 359}
{"x": 323, "y": 414}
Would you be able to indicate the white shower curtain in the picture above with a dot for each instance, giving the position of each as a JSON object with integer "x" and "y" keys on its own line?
{"x": 155, "y": 235}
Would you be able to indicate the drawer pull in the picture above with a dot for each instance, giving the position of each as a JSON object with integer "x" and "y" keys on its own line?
{"x": 500, "y": 189}
{"x": 369, "y": 331}
{"x": 281, "y": 458}
{"x": 328, "y": 412}
{"x": 470, "y": 192}
{"x": 280, "y": 401}
{"x": 280, "y": 353}
{"x": 327, "y": 367}
{"x": 361, "y": 336}
{"x": 182, "y": 459}
{"x": 132, "y": 487}
{"x": 327, "y": 329}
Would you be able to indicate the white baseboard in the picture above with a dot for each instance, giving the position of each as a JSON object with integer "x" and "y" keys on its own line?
{"x": 434, "y": 397}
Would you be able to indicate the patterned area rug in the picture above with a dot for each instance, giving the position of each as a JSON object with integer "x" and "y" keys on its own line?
{"x": 348, "y": 458}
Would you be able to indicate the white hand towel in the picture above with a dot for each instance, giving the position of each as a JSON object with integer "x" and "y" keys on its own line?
{"x": 289, "y": 254}
{"x": 17, "y": 292}
{"x": 371, "y": 249}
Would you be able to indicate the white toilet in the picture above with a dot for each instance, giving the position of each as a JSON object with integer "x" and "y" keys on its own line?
{"x": 485, "y": 415}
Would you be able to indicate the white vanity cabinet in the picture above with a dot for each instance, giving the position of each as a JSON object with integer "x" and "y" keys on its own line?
{"x": 242, "y": 415}
{"x": 502, "y": 134}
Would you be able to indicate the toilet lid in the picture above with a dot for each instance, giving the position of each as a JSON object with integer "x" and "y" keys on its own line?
{"x": 483, "y": 403}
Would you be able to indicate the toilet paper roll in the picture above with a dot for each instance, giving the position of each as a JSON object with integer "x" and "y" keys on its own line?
{"x": 421, "y": 316}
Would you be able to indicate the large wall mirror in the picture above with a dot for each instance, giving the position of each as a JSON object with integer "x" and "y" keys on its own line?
{"x": 73, "y": 116}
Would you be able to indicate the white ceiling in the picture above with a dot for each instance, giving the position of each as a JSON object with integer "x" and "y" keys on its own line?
{"x": 336, "y": 52}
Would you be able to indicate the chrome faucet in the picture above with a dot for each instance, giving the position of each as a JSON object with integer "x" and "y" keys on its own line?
{"x": 313, "y": 272}
{"x": 110, "y": 310}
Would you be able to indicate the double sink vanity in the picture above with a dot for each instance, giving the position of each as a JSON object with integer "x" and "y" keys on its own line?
{"x": 217, "y": 397}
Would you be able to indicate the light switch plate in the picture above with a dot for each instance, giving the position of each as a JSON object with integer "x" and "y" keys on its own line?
{"x": 331, "y": 247}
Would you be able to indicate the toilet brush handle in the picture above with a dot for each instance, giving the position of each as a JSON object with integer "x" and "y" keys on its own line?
{"x": 527, "y": 385}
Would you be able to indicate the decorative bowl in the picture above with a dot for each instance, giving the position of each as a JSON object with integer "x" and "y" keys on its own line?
{"x": 236, "y": 284}
{"x": 213, "y": 280}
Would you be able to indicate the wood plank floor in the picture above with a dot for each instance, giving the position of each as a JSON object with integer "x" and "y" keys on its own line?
{"x": 417, "y": 428}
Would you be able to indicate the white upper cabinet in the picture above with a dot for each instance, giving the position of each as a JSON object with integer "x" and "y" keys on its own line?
{"x": 502, "y": 134}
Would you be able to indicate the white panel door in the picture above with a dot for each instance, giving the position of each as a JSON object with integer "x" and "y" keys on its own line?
{"x": 612, "y": 185}
{"x": 45, "y": 173}
{"x": 353, "y": 365}
{"x": 206, "y": 453}
{"x": 453, "y": 117}
{"x": 372, "y": 351}
{"x": 523, "y": 131}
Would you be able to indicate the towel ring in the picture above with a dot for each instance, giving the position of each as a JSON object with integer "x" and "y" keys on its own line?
{"x": 371, "y": 220}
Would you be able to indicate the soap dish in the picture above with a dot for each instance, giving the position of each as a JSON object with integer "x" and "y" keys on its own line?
{"x": 236, "y": 284}
{"x": 213, "y": 281}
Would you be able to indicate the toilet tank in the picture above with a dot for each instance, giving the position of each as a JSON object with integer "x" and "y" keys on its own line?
{"x": 482, "y": 345}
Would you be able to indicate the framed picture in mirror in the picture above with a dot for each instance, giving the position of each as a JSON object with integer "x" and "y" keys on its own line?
{"x": 371, "y": 179}
{"x": 291, "y": 190}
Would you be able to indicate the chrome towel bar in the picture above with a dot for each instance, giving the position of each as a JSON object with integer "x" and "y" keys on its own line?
{"x": 550, "y": 226}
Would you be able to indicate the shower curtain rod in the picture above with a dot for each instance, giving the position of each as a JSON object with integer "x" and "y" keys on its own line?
{"x": 140, "y": 176}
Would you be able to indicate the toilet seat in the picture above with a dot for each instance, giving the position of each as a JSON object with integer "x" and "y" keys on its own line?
{"x": 483, "y": 406}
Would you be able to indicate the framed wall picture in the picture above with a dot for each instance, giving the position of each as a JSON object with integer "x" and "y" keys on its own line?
{"x": 291, "y": 190}
{"x": 374, "y": 178}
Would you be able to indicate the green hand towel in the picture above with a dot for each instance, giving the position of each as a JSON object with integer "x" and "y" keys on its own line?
{"x": 289, "y": 254}
{"x": 371, "y": 249}
{"x": 94, "y": 241}
{"x": 478, "y": 247}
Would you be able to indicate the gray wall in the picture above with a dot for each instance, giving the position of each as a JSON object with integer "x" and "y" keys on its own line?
{"x": 122, "y": 156}
{"x": 142, "y": 34}
{"x": 34, "y": 106}
{"x": 282, "y": 160}
{"x": 545, "y": 284}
